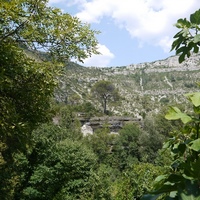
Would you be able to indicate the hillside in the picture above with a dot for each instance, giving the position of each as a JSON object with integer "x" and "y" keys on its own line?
{"x": 144, "y": 87}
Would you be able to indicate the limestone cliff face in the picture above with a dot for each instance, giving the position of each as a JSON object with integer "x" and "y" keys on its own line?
{"x": 169, "y": 64}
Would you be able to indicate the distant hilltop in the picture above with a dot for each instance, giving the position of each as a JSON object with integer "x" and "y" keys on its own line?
{"x": 171, "y": 63}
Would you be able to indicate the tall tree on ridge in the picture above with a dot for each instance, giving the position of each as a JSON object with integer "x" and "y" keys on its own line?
{"x": 105, "y": 91}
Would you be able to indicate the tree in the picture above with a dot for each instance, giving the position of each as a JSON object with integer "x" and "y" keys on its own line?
{"x": 40, "y": 27}
{"x": 134, "y": 145}
{"x": 25, "y": 91}
{"x": 27, "y": 85}
{"x": 135, "y": 181}
{"x": 157, "y": 124}
{"x": 182, "y": 179}
{"x": 188, "y": 39}
{"x": 102, "y": 182}
{"x": 105, "y": 91}
{"x": 58, "y": 167}
{"x": 126, "y": 146}
{"x": 101, "y": 142}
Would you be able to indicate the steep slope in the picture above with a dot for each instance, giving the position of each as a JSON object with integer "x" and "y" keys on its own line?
{"x": 144, "y": 87}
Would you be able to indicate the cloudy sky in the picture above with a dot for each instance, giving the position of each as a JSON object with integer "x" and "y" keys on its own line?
{"x": 132, "y": 31}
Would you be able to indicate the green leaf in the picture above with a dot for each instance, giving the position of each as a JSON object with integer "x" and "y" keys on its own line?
{"x": 196, "y": 49}
{"x": 181, "y": 23}
{"x": 174, "y": 113}
{"x": 195, "y": 145}
{"x": 185, "y": 32}
{"x": 181, "y": 49}
{"x": 197, "y": 38}
{"x": 150, "y": 197}
{"x": 181, "y": 57}
{"x": 178, "y": 35}
{"x": 166, "y": 145}
{"x": 189, "y": 197}
{"x": 186, "y": 23}
{"x": 182, "y": 148}
{"x": 195, "y": 17}
{"x": 176, "y": 44}
{"x": 160, "y": 178}
{"x": 188, "y": 54}
{"x": 173, "y": 194}
{"x": 190, "y": 192}
{"x": 194, "y": 97}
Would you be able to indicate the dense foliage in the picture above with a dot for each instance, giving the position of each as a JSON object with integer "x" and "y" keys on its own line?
{"x": 61, "y": 167}
{"x": 40, "y": 27}
{"x": 182, "y": 179}
{"x": 136, "y": 181}
{"x": 105, "y": 91}
{"x": 27, "y": 84}
{"x": 26, "y": 88}
{"x": 44, "y": 160}
{"x": 188, "y": 39}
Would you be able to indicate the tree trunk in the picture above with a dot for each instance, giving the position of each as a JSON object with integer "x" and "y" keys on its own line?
{"x": 104, "y": 106}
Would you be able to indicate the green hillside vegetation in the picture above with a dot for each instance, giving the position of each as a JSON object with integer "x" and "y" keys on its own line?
{"x": 141, "y": 92}
{"x": 43, "y": 152}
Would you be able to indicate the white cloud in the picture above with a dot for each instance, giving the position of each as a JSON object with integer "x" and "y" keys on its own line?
{"x": 101, "y": 60}
{"x": 150, "y": 21}
{"x": 165, "y": 43}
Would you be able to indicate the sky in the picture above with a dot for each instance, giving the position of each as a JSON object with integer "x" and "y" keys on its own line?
{"x": 132, "y": 31}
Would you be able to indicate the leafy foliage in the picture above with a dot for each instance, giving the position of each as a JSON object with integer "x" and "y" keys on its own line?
{"x": 101, "y": 142}
{"x": 62, "y": 167}
{"x": 25, "y": 92}
{"x": 182, "y": 180}
{"x": 27, "y": 85}
{"x": 55, "y": 161}
{"x": 102, "y": 182}
{"x": 55, "y": 167}
{"x": 38, "y": 26}
{"x": 136, "y": 181}
{"x": 126, "y": 146}
{"x": 183, "y": 177}
{"x": 188, "y": 39}
{"x": 134, "y": 145}
{"x": 105, "y": 91}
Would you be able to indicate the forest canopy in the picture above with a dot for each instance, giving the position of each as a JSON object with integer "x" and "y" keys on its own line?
{"x": 40, "y": 27}
{"x": 41, "y": 159}
{"x": 26, "y": 82}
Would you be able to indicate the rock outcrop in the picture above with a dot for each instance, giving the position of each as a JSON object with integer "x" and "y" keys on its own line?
{"x": 114, "y": 123}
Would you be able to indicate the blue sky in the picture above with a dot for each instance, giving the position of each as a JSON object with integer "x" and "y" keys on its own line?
{"x": 132, "y": 31}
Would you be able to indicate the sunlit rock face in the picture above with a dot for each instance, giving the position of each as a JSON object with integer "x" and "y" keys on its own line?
{"x": 86, "y": 129}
